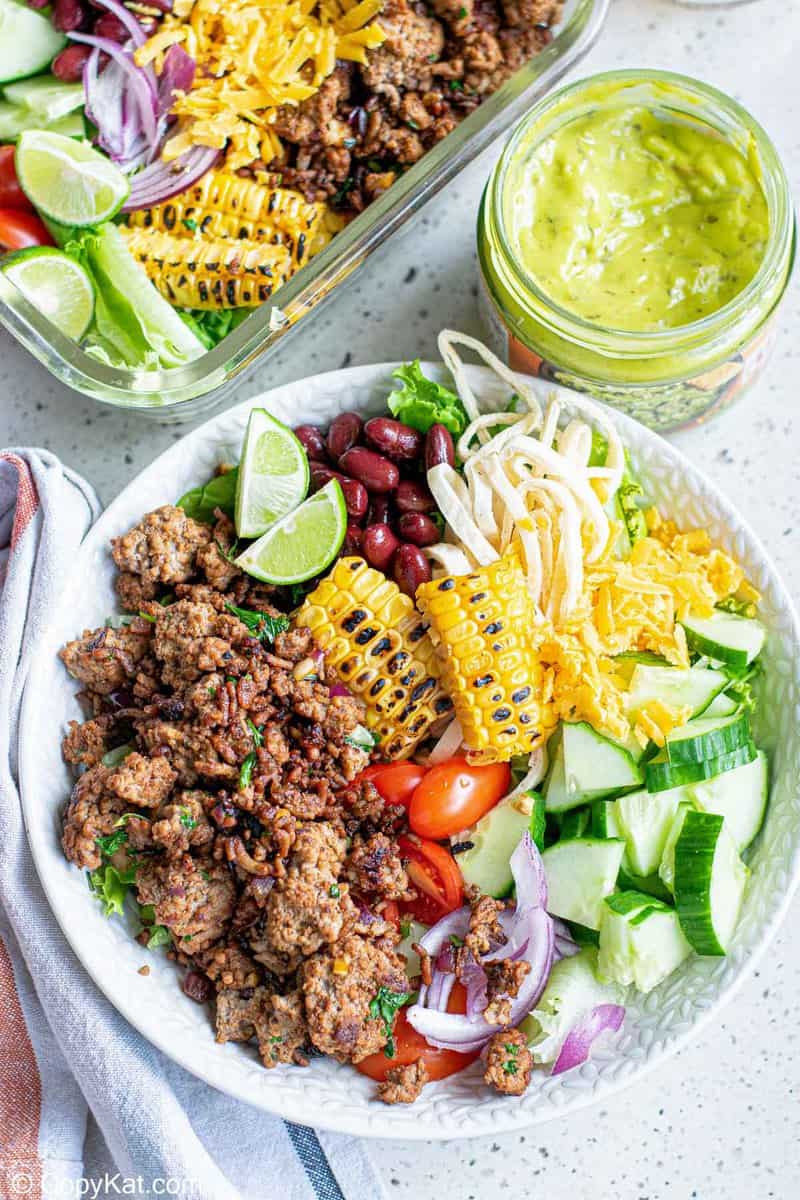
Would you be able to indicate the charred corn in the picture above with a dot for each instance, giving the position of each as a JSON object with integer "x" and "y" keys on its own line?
{"x": 222, "y": 205}
{"x": 378, "y": 644}
{"x": 481, "y": 626}
{"x": 214, "y": 274}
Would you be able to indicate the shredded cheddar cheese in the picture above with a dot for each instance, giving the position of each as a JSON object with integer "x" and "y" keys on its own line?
{"x": 252, "y": 57}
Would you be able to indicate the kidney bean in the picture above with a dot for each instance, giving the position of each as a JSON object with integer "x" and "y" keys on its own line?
{"x": 377, "y": 473}
{"x": 196, "y": 986}
{"x": 417, "y": 528}
{"x": 355, "y": 494}
{"x": 68, "y": 15}
{"x": 312, "y": 441}
{"x": 352, "y": 539}
{"x": 109, "y": 26}
{"x": 344, "y": 432}
{"x": 379, "y": 510}
{"x": 411, "y": 568}
{"x": 439, "y": 447}
{"x": 379, "y": 545}
{"x": 68, "y": 65}
{"x": 393, "y": 438}
{"x": 413, "y": 497}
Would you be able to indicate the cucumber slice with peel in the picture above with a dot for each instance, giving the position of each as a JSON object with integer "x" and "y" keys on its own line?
{"x": 666, "y": 870}
{"x": 739, "y": 796}
{"x": 28, "y": 41}
{"x": 710, "y": 882}
{"x": 726, "y": 637}
{"x": 604, "y": 819}
{"x": 694, "y": 687}
{"x": 641, "y": 941}
{"x": 47, "y": 97}
{"x": 707, "y": 737}
{"x": 644, "y": 820}
{"x": 580, "y": 873}
{"x": 490, "y": 844}
{"x": 587, "y": 766}
{"x": 14, "y": 120}
{"x": 722, "y": 706}
{"x": 661, "y": 775}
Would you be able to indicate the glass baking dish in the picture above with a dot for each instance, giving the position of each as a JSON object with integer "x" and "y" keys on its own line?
{"x": 184, "y": 392}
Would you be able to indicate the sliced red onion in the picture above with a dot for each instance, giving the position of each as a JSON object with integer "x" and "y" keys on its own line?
{"x": 140, "y": 86}
{"x": 565, "y": 944}
{"x": 338, "y": 689}
{"x": 162, "y": 180}
{"x": 604, "y": 1018}
{"x": 177, "y": 75}
{"x": 529, "y": 877}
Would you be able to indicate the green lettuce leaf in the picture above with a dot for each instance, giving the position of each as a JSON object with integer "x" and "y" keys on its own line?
{"x": 421, "y": 402}
{"x": 211, "y": 326}
{"x": 219, "y": 492}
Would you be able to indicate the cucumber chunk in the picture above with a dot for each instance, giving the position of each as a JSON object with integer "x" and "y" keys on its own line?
{"x": 14, "y": 120}
{"x": 576, "y": 822}
{"x": 587, "y": 766}
{"x": 416, "y": 931}
{"x": 28, "y": 41}
{"x": 651, "y": 885}
{"x": 666, "y": 870}
{"x": 580, "y": 873}
{"x": 722, "y": 706}
{"x": 494, "y": 839}
{"x": 694, "y": 687}
{"x": 708, "y": 737}
{"x": 641, "y": 941}
{"x": 710, "y": 881}
{"x": 572, "y": 991}
{"x": 660, "y": 774}
{"x": 739, "y": 796}
{"x": 726, "y": 637}
{"x": 644, "y": 820}
{"x": 604, "y": 819}
{"x": 47, "y": 97}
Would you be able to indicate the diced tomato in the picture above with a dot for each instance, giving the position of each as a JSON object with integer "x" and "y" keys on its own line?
{"x": 410, "y": 1046}
{"x": 391, "y": 913}
{"x": 19, "y": 229}
{"x": 434, "y": 875}
{"x": 11, "y": 194}
{"x": 396, "y": 782}
{"x": 454, "y": 795}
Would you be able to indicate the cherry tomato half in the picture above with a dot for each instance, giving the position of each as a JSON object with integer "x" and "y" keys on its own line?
{"x": 11, "y": 194}
{"x": 396, "y": 782}
{"x": 411, "y": 1046}
{"x": 20, "y": 229}
{"x": 454, "y": 795}
{"x": 435, "y": 877}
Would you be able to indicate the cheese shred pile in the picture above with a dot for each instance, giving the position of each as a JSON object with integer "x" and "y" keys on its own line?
{"x": 252, "y": 57}
{"x": 527, "y": 484}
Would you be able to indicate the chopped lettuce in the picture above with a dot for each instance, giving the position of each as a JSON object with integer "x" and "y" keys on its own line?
{"x": 213, "y": 325}
{"x": 219, "y": 492}
{"x": 111, "y": 886}
{"x": 628, "y": 495}
{"x": 572, "y": 991}
{"x": 421, "y": 402}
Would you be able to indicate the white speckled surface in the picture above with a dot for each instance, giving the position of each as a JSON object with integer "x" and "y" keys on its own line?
{"x": 722, "y": 1120}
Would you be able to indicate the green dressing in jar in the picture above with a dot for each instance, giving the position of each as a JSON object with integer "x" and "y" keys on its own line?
{"x": 634, "y": 219}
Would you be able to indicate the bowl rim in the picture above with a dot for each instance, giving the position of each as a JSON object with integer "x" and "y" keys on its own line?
{"x": 390, "y": 1123}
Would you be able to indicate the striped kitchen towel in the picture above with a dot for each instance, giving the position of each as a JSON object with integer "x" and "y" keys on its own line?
{"x": 64, "y": 1051}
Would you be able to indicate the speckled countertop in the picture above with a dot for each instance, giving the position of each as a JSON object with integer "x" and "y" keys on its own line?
{"x": 721, "y": 1121}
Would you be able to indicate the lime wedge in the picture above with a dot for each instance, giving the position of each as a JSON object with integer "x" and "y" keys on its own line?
{"x": 303, "y": 543}
{"x": 273, "y": 474}
{"x": 68, "y": 181}
{"x": 55, "y": 284}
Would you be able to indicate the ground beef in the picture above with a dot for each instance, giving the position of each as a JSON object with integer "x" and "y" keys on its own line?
{"x": 284, "y": 1033}
{"x": 162, "y": 548}
{"x": 374, "y": 868}
{"x": 140, "y": 781}
{"x": 193, "y": 897}
{"x": 182, "y": 824}
{"x": 508, "y": 1062}
{"x": 84, "y": 745}
{"x": 106, "y": 659}
{"x": 228, "y": 965}
{"x": 192, "y": 638}
{"x": 504, "y": 980}
{"x": 214, "y": 560}
{"x": 190, "y": 751}
{"x": 485, "y": 931}
{"x": 239, "y": 1013}
{"x": 91, "y": 813}
{"x": 339, "y": 985}
{"x": 403, "y": 1084}
{"x": 305, "y": 909}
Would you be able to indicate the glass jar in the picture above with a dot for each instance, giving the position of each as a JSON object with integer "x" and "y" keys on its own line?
{"x": 668, "y": 377}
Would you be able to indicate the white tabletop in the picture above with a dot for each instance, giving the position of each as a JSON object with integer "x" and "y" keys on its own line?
{"x": 721, "y": 1121}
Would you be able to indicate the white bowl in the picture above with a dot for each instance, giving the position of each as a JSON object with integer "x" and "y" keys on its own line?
{"x": 326, "y": 1094}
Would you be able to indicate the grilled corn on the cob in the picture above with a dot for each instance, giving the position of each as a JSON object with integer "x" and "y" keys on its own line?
{"x": 375, "y": 639}
{"x": 215, "y": 274}
{"x": 482, "y": 626}
{"x": 222, "y": 205}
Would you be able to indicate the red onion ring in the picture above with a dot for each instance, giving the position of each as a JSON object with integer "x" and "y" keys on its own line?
{"x": 604, "y": 1018}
